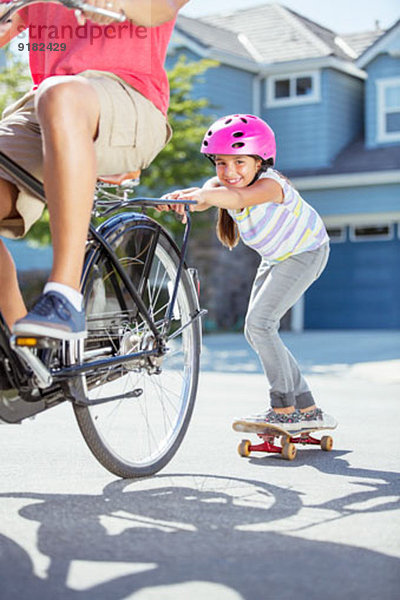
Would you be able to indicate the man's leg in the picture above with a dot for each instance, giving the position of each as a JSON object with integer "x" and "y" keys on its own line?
{"x": 11, "y": 302}
{"x": 68, "y": 114}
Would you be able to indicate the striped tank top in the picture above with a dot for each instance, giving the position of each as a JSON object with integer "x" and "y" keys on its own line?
{"x": 277, "y": 231}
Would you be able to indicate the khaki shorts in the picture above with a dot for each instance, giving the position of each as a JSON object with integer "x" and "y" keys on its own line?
{"x": 132, "y": 131}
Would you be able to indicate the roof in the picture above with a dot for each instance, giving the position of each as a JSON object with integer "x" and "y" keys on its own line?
{"x": 362, "y": 40}
{"x": 356, "y": 158}
{"x": 381, "y": 45}
{"x": 270, "y": 33}
{"x": 211, "y": 36}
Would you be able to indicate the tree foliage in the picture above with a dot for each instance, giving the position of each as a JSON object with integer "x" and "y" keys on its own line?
{"x": 178, "y": 165}
{"x": 15, "y": 80}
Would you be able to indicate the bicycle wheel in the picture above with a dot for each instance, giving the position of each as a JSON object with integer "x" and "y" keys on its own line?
{"x": 137, "y": 434}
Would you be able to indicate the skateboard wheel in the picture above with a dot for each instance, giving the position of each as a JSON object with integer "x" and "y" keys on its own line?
{"x": 289, "y": 451}
{"x": 244, "y": 448}
{"x": 326, "y": 443}
{"x": 285, "y": 439}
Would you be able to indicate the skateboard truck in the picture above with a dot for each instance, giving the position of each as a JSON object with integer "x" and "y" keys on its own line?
{"x": 288, "y": 449}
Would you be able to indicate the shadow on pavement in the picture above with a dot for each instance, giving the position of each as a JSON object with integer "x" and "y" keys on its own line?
{"x": 385, "y": 486}
{"x": 178, "y": 529}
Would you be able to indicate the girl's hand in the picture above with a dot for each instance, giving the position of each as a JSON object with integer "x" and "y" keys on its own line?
{"x": 185, "y": 194}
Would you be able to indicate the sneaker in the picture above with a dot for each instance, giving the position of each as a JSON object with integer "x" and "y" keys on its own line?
{"x": 317, "y": 419}
{"x": 291, "y": 423}
{"x": 52, "y": 316}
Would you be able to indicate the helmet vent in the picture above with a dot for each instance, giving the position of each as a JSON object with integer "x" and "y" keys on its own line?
{"x": 209, "y": 132}
{"x": 238, "y": 145}
{"x": 238, "y": 134}
{"x": 228, "y": 121}
{"x": 205, "y": 143}
{"x": 243, "y": 119}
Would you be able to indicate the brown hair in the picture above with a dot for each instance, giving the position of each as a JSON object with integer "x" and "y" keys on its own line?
{"x": 227, "y": 230}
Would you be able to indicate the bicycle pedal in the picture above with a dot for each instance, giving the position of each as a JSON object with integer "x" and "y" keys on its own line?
{"x": 35, "y": 342}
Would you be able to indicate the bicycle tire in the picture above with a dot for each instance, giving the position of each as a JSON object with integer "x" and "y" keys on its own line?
{"x": 136, "y": 437}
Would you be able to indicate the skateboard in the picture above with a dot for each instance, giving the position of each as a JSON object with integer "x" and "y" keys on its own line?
{"x": 288, "y": 439}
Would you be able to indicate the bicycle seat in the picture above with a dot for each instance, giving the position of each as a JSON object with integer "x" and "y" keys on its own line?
{"x": 120, "y": 178}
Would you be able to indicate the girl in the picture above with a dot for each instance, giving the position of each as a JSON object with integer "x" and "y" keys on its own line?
{"x": 258, "y": 205}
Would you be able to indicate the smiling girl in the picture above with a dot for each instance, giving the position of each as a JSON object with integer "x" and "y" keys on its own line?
{"x": 259, "y": 206}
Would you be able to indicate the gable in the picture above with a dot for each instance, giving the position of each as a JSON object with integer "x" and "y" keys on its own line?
{"x": 387, "y": 43}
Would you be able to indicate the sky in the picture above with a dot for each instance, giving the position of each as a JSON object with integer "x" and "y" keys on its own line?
{"x": 342, "y": 16}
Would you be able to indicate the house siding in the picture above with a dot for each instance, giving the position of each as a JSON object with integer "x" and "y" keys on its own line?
{"x": 298, "y": 149}
{"x": 382, "y": 67}
{"x": 344, "y": 97}
{"x": 228, "y": 89}
{"x": 353, "y": 201}
{"x": 337, "y": 118}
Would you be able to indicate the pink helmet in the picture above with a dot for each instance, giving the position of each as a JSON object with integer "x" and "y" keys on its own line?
{"x": 240, "y": 134}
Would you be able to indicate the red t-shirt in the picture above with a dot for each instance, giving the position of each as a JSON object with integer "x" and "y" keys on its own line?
{"x": 60, "y": 46}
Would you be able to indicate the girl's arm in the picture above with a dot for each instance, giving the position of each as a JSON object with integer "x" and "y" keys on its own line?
{"x": 263, "y": 190}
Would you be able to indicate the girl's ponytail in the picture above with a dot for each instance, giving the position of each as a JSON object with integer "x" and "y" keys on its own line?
{"x": 227, "y": 230}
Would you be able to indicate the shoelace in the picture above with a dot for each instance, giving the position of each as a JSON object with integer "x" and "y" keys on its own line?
{"x": 47, "y": 304}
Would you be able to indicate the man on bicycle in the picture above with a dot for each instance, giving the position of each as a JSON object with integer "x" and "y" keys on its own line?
{"x": 98, "y": 107}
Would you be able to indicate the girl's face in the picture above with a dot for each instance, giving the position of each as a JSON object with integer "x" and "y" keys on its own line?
{"x": 236, "y": 171}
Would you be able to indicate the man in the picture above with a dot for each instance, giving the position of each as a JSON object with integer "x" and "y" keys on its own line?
{"x": 98, "y": 107}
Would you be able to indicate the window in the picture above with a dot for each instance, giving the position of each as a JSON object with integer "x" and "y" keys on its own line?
{"x": 389, "y": 110}
{"x": 371, "y": 233}
{"x": 296, "y": 88}
{"x": 337, "y": 234}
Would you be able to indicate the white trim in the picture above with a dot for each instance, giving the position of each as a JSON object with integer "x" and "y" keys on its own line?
{"x": 379, "y": 47}
{"x": 363, "y": 218}
{"x": 387, "y": 237}
{"x": 313, "y": 64}
{"x": 381, "y": 86}
{"x": 246, "y": 43}
{"x": 343, "y": 45}
{"x": 293, "y": 99}
{"x": 343, "y": 180}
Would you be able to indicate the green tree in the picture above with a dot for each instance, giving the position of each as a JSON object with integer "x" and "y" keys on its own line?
{"x": 15, "y": 79}
{"x": 180, "y": 164}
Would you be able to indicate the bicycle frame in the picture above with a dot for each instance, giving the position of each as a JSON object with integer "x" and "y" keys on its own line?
{"x": 18, "y": 357}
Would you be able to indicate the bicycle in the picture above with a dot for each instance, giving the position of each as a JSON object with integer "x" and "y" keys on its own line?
{"x": 133, "y": 381}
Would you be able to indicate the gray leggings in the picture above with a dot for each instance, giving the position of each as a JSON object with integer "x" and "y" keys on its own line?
{"x": 277, "y": 288}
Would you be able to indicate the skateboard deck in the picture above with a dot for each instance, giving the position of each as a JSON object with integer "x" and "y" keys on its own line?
{"x": 288, "y": 438}
{"x": 270, "y": 429}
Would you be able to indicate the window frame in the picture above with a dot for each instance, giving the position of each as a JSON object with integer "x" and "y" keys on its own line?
{"x": 353, "y": 237}
{"x": 293, "y": 100}
{"x": 340, "y": 239}
{"x": 382, "y": 134}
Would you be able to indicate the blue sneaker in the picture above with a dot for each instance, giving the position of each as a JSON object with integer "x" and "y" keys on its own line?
{"x": 52, "y": 316}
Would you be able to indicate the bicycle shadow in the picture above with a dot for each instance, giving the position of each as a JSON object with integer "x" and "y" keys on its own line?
{"x": 173, "y": 530}
{"x": 383, "y": 486}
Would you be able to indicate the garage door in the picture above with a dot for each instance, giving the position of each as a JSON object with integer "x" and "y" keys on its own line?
{"x": 360, "y": 288}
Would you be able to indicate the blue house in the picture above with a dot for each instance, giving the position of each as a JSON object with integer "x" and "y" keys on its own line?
{"x": 334, "y": 103}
